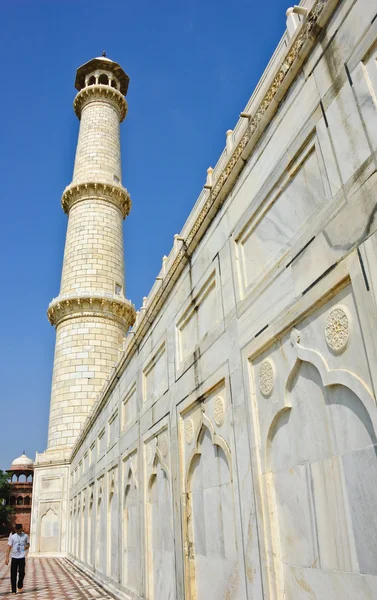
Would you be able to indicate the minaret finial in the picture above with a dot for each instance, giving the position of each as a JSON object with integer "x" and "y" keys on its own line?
{"x": 104, "y": 53}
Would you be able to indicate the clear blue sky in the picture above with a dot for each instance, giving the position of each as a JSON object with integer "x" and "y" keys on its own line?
{"x": 193, "y": 66}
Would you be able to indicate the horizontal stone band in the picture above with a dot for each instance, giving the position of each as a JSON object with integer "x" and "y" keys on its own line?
{"x": 115, "y": 194}
{"x": 100, "y": 92}
{"x": 80, "y": 305}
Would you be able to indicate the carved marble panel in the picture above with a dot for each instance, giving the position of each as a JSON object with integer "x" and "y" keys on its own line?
{"x": 49, "y": 526}
{"x": 318, "y": 421}
{"x": 160, "y": 564}
{"x": 200, "y": 315}
{"x": 155, "y": 375}
{"x": 131, "y": 546}
{"x": 211, "y": 556}
{"x": 112, "y": 526}
{"x": 270, "y": 232}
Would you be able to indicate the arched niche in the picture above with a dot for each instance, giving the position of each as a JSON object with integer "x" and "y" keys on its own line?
{"x": 160, "y": 541}
{"x": 320, "y": 460}
{"x": 210, "y": 517}
{"x": 100, "y": 532}
{"x": 112, "y": 529}
{"x": 83, "y": 528}
{"x": 90, "y": 532}
{"x": 49, "y": 539}
{"x": 131, "y": 576}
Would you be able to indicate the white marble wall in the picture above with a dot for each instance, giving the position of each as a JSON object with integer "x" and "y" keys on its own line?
{"x": 234, "y": 455}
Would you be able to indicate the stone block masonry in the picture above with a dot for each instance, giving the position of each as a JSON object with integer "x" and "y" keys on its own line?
{"x": 98, "y": 149}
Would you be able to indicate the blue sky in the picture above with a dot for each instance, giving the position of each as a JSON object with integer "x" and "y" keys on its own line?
{"x": 193, "y": 66}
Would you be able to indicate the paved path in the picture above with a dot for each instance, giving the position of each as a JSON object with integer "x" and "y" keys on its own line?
{"x": 50, "y": 579}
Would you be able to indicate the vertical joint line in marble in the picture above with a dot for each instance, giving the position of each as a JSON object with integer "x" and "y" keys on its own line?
{"x": 348, "y": 74}
{"x": 363, "y": 269}
{"x": 324, "y": 114}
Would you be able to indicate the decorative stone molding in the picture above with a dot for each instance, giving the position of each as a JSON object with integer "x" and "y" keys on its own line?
{"x": 219, "y": 413}
{"x": 337, "y": 329}
{"x": 266, "y": 377}
{"x": 68, "y": 307}
{"x": 115, "y": 194}
{"x": 100, "y": 92}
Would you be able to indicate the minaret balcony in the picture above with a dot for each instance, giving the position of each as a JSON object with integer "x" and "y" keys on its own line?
{"x": 110, "y": 306}
{"x": 114, "y": 194}
{"x": 100, "y": 92}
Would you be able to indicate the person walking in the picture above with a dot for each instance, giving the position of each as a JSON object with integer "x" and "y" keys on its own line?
{"x": 18, "y": 543}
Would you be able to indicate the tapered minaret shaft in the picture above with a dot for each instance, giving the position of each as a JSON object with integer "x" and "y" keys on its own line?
{"x": 91, "y": 314}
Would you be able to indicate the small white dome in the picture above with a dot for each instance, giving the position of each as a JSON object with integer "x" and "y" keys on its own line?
{"x": 22, "y": 460}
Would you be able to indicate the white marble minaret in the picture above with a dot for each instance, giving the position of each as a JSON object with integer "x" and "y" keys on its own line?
{"x": 91, "y": 314}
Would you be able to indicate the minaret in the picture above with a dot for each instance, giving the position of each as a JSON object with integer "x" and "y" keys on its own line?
{"x": 91, "y": 314}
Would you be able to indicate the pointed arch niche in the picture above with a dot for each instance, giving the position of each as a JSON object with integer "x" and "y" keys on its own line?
{"x": 160, "y": 541}
{"x": 90, "y": 532}
{"x": 211, "y": 557}
{"x": 100, "y": 530}
{"x": 131, "y": 576}
{"x": 320, "y": 474}
{"x": 84, "y": 524}
{"x": 112, "y": 526}
{"x": 49, "y": 539}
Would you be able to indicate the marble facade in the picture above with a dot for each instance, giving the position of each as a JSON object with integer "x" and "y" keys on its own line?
{"x": 231, "y": 453}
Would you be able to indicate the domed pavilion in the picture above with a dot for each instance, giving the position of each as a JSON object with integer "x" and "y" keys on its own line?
{"x": 20, "y": 497}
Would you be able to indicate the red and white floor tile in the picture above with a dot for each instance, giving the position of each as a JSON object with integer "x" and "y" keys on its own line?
{"x": 50, "y": 579}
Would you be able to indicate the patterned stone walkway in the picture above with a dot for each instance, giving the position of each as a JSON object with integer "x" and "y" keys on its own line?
{"x": 50, "y": 579}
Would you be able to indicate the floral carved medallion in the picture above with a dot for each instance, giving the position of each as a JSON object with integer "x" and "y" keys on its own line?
{"x": 189, "y": 431}
{"x": 266, "y": 377}
{"x": 337, "y": 329}
{"x": 218, "y": 413}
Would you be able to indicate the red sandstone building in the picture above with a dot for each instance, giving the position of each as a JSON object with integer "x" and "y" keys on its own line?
{"x": 20, "y": 497}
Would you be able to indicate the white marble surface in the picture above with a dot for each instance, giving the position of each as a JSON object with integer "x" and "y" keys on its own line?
{"x": 222, "y": 491}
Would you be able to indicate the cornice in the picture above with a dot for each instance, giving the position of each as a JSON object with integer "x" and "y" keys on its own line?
{"x": 73, "y": 306}
{"x": 297, "y": 52}
{"x": 114, "y": 194}
{"x": 100, "y": 92}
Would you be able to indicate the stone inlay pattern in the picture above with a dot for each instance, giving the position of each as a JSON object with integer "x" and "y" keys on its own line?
{"x": 266, "y": 377}
{"x": 50, "y": 579}
{"x": 337, "y": 329}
